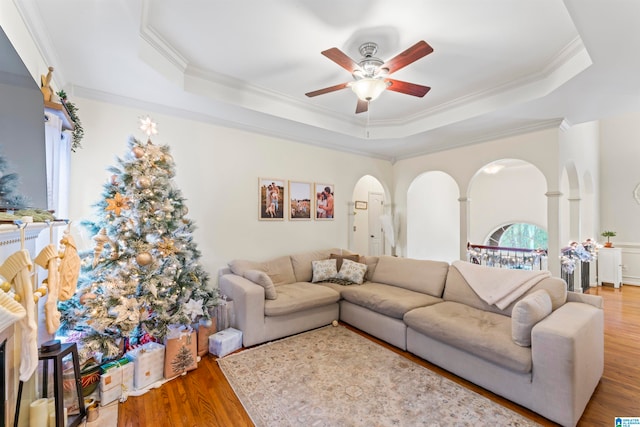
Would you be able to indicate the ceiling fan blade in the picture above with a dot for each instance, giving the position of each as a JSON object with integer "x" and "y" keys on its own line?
{"x": 362, "y": 106}
{"x": 326, "y": 90}
{"x": 410, "y": 55}
{"x": 340, "y": 58}
{"x": 407, "y": 88}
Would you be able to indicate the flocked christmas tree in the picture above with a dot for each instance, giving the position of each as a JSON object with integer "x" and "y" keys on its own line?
{"x": 144, "y": 273}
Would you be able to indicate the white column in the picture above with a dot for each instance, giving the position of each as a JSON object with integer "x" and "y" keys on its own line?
{"x": 465, "y": 211}
{"x": 553, "y": 230}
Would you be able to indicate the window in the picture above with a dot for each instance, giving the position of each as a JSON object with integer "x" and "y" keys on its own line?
{"x": 519, "y": 235}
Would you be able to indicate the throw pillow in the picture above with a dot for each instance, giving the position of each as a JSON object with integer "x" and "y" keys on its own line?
{"x": 261, "y": 278}
{"x": 339, "y": 258}
{"x": 526, "y": 313}
{"x": 352, "y": 271}
{"x": 323, "y": 270}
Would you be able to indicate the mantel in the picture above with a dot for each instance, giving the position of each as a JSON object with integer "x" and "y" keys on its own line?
{"x": 10, "y": 233}
{"x": 60, "y": 111}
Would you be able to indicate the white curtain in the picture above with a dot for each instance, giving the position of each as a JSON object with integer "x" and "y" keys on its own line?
{"x": 58, "y": 154}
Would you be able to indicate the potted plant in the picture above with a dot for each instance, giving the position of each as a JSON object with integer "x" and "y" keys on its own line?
{"x": 608, "y": 235}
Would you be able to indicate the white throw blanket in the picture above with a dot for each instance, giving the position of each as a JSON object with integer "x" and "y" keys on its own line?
{"x": 499, "y": 286}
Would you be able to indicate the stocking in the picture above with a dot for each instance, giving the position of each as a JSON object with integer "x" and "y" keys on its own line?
{"x": 10, "y": 311}
{"x": 69, "y": 268}
{"x": 48, "y": 259}
{"x": 16, "y": 269}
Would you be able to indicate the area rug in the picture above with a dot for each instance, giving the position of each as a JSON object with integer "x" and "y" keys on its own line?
{"x": 335, "y": 377}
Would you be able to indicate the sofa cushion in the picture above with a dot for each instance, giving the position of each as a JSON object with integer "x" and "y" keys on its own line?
{"x": 372, "y": 262}
{"x": 482, "y": 333}
{"x": 278, "y": 269}
{"x": 323, "y": 270}
{"x": 457, "y": 289}
{"x": 413, "y": 274}
{"x": 339, "y": 258}
{"x": 299, "y": 296}
{"x": 385, "y": 299}
{"x": 479, "y": 332}
{"x": 526, "y": 313}
{"x": 302, "y": 262}
{"x": 261, "y": 278}
{"x": 352, "y": 271}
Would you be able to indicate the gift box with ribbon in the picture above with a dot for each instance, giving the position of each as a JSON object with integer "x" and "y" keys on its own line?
{"x": 116, "y": 380}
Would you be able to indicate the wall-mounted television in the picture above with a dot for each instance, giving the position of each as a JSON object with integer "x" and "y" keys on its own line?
{"x": 22, "y": 140}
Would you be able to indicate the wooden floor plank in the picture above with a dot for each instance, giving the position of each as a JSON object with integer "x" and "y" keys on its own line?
{"x": 204, "y": 398}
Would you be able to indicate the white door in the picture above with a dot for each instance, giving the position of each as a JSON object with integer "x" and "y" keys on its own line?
{"x": 376, "y": 236}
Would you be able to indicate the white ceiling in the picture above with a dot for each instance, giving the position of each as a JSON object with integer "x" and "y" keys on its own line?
{"x": 499, "y": 67}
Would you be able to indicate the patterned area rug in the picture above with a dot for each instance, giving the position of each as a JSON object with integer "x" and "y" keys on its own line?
{"x": 334, "y": 377}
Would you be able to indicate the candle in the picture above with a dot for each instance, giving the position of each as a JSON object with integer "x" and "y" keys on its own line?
{"x": 38, "y": 413}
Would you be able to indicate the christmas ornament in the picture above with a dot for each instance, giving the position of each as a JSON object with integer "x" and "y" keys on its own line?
{"x": 144, "y": 258}
{"x": 193, "y": 309}
{"x": 117, "y": 204}
{"x": 114, "y": 179}
{"x": 137, "y": 152}
{"x": 143, "y": 182}
{"x": 167, "y": 246}
{"x": 101, "y": 239}
{"x": 87, "y": 297}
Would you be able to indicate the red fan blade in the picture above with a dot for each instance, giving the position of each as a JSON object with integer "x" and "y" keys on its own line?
{"x": 410, "y": 55}
{"x": 326, "y": 90}
{"x": 340, "y": 58}
{"x": 407, "y": 88}
{"x": 362, "y": 106}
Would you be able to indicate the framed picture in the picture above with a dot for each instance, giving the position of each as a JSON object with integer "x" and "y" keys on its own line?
{"x": 300, "y": 202}
{"x": 271, "y": 199}
{"x": 324, "y": 201}
{"x": 361, "y": 205}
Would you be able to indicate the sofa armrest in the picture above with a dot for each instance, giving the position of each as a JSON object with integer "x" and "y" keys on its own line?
{"x": 594, "y": 300}
{"x": 567, "y": 349}
{"x": 248, "y": 301}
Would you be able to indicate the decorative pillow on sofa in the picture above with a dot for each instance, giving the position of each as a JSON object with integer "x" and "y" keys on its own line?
{"x": 526, "y": 313}
{"x": 323, "y": 270}
{"x": 352, "y": 271}
{"x": 339, "y": 258}
{"x": 261, "y": 278}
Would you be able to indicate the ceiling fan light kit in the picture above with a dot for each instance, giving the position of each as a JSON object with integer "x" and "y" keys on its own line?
{"x": 368, "y": 89}
{"x": 371, "y": 74}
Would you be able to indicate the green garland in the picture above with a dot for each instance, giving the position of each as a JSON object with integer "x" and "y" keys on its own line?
{"x": 78, "y": 131}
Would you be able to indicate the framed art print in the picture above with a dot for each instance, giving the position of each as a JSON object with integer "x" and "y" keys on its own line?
{"x": 271, "y": 199}
{"x": 361, "y": 204}
{"x": 300, "y": 202}
{"x": 324, "y": 201}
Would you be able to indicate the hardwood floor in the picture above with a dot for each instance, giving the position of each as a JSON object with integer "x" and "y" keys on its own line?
{"x": 204, "y": 398}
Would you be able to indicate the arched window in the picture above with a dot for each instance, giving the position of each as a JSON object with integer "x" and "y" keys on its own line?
{"x": 519, "y": 235}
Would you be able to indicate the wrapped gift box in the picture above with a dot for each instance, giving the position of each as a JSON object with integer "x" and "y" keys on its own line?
{"x": 116, "y": 380}
{"x": 181, "y": 350}
{"x": 224, "y": 342}
{"x": 148, "y": 362}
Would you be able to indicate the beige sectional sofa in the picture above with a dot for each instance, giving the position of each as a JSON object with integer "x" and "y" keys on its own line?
{"x": 544, "y": 351}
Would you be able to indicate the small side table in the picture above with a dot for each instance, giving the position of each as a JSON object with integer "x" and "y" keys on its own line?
{"x": 57, "y": 352}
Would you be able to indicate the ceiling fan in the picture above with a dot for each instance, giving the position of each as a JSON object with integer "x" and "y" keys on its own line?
{"x": 371, "y": 75}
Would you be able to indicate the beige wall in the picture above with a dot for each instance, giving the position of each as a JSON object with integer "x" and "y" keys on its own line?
{"x": 217, "y": 169}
